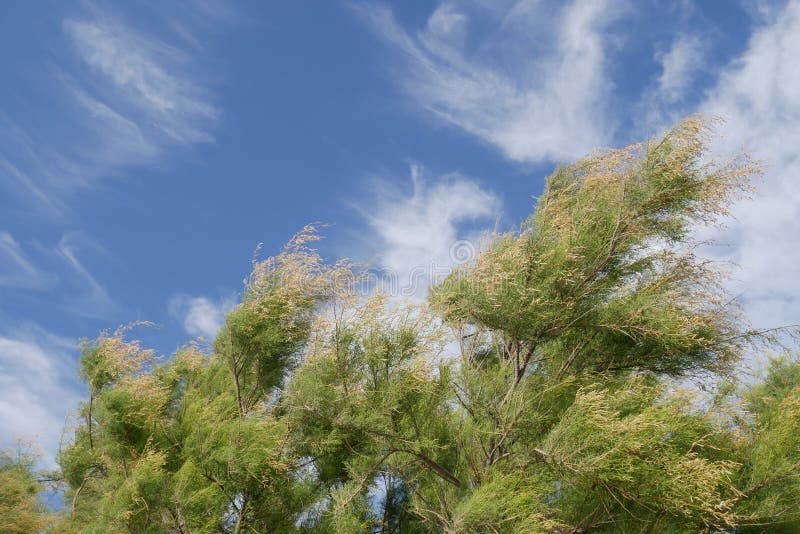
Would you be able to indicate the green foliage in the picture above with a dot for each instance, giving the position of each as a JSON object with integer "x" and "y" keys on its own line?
{"x": 536, "y": 393}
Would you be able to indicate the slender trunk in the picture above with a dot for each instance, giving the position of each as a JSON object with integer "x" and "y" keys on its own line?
{"x": 78, "y": 492}
{"x": 235, "y": 374}
{"x": 89, "y": 420}
{"x": 439, "y": 469}
{"x": 238, "y": 392}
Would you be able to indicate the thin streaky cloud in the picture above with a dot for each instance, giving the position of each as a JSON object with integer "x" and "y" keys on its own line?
{"x": 17, "y": 270}
{"x": 148, "y": 75}
{"x": 123, "y": 141}
{"x": 27, "y": 187}
{"x": 94, "y": 298}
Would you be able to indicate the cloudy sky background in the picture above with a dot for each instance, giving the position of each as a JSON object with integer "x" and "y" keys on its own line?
{"x": 145, "y": 151}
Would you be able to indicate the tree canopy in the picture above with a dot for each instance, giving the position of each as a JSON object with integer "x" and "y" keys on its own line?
{"x": 548, "y": 386}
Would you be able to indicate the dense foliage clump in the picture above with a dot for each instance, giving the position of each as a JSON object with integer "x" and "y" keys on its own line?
{"x": 542, "y": 389}
{"x": 21, "y": 511}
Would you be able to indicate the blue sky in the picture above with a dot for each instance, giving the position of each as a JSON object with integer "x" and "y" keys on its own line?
{"x": 145, "y": 151}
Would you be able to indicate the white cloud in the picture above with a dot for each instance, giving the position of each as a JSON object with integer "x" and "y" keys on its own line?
{"x": 531, "y": 100}
{"x": 17, "y": 269}
{"x": 200, "y": 316}
{"x": 759, "y": 95}
{"x": 679, "y": 65}
{"x": 422, "y": 235}
{"x": 38, "y": 389}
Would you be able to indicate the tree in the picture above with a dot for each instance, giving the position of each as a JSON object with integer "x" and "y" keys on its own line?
{"x": 537, "y": 392}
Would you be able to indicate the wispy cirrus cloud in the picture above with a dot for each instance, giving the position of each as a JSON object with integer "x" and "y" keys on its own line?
{"x": 60, "y": 267}
{"x": 86, "y": 295}
{"x": 21, "y": 184}
{"x": 536, "y": 99}
{"x": 127, "y": 98}
{"x": 143, "y": 82}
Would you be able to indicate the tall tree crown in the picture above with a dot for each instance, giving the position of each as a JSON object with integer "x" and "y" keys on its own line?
{"x": 535, "y": 392}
